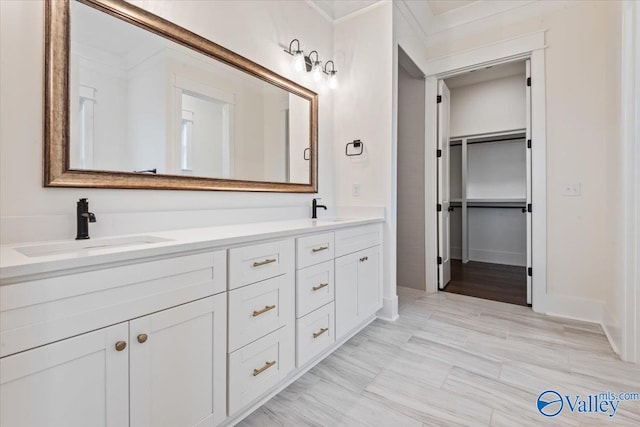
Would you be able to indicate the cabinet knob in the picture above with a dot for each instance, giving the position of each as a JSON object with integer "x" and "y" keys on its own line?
{"x": 142, "y": 338}
{"x": 121, "y": 345}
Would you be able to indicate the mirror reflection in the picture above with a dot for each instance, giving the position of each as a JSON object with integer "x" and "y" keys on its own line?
{"x": 142, "y": 103}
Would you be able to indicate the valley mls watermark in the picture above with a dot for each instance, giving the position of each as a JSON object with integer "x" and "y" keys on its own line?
{"x": 551, "y": 403}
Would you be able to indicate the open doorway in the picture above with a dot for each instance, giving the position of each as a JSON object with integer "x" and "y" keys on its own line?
{"x": 411, "y": 175}
{"x": 484, "y": 183}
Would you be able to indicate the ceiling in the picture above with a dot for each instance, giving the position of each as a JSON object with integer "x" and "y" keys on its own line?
{"x": 486, "y": 74}
{"x": 438, "y": 7}
{"x": 337, "y": 9}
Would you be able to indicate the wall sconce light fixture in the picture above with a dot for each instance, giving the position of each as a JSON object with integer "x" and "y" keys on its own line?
{"x": 301, "y": 62}
{"x": 333, "y": 79}
{"x": 298, "y": 60}
{"x": 315, "y": 66}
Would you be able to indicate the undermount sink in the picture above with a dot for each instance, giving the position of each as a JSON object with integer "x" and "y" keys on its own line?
{"x": 82, "y": 246}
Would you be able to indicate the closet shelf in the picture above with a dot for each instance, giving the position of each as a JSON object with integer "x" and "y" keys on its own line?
{"x": 492, "y": 203}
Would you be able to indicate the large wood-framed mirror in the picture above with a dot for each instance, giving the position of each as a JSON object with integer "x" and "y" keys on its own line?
{"x": 135, "y": 101}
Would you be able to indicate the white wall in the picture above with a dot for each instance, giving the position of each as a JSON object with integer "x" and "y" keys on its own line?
{"x": 583, "y": 141}
{"x": 362, "y": 110}
{"x": 255, "y": 29}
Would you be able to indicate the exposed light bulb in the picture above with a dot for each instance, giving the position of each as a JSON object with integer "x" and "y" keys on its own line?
{"x": 298, "y": 61}
{"x": 333, "y": 80}
{"x": 316, "y": 72}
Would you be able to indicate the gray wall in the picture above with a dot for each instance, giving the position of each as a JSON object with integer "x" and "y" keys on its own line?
{"x": 411, "y": 222}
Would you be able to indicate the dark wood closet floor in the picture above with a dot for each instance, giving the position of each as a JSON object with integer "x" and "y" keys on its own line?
{"x": 504, "y": 283}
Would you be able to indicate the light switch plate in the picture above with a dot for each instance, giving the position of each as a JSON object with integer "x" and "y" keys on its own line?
{"x": 573, "y": 189}
{"x": 356, "y": 190}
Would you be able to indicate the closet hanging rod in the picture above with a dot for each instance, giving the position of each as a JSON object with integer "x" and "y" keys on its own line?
{"x": 490, "y": 207}
{"x": 459, "y": 143}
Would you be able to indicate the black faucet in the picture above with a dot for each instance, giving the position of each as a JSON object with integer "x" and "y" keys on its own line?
{"x": 314, "y": 208}
{"x": 83, "y": 218}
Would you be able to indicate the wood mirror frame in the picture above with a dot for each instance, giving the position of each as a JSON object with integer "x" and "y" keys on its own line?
{"x": 57, "y": 172}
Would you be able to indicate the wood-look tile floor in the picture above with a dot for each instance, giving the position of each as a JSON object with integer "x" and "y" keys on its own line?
{"x": 454, "y": 360}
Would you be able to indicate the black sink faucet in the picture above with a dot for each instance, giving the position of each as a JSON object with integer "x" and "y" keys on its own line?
{"x": 314, "y": 208}
{"x": 83, "y": 218}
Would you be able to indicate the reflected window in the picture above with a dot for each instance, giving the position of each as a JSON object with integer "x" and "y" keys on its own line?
{"x": 86, "y": 122}
{"x": 186, "y": 141}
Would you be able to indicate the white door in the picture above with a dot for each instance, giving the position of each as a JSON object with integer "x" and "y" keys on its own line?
{"x": 178, "y": 365}
{"x": 81, "y": 381}
{"x": 444, "y": 261}
{"x": 529, "y": 172}
{"x": 346, "y": 270}
{"x": 368, "y": 282}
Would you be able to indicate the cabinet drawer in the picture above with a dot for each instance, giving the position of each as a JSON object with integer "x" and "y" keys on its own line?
{"x": 38, "y": 312}
{"x": 314, "y": 249}
{"x": 257, "y": 367}
{"x": 258, "y": 309}
{"x": 250, "y": 264}
{"x": 358, "y": 238}
{"x": 314, "y": 287}
{"x": 314, "y": 333}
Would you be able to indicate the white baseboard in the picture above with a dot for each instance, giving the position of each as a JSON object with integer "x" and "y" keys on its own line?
{"x": 572, "y": 308}
{"x": 498, "y": 257}
{"x": 494, "y": 257}
{"x": 612, "y": 330}
{"x": 389, "y": 310}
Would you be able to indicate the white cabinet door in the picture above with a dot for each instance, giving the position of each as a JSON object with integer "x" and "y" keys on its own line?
{"x": 369, "y": 298}
{"x": 178, "y": 365}
{"x": 81, "y": 381}
{"x": 346, "y": 284}
{"x": 358, "y": 288}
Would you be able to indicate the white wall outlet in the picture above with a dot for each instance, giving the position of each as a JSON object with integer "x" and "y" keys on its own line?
{"x": 356, "y": 190}
{"x": 572, "y": 189}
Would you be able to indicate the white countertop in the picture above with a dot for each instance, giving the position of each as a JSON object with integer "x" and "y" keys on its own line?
{"x": 14, "y": 265}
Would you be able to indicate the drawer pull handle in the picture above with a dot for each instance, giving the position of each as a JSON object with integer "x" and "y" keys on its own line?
{"x": 121, "y": 345}
{"x": 142, "y": 338}
{"x": 321, "y": 248}
{"x": 265, "y": 262}
{"x": 320, "y": 286}
{"x": 320, "y": 332}
{"x": 266, "y": 366}
{"x": 364, "y": 258}
{"x": 264, "y": 310}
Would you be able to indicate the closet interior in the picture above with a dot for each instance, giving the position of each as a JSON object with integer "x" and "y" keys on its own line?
{"x": 488, "y": 182}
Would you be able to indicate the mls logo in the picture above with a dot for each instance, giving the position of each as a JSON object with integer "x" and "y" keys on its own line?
{"x": 550, "y": 403}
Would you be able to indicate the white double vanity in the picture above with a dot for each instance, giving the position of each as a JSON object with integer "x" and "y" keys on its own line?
{"x": 183, "y": 328}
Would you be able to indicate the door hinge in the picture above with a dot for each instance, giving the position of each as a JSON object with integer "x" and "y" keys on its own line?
{"x": 438, "y": 99}
{"x": 528, "y": 143}
{"x": 529, "y": 208}
{"x": 439, "y": 260}
{"x": 439, "y": 207}
{"x": 528, "y": 81}
{"x": 530, "y": 272}
{"x": 438, "y": 153}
